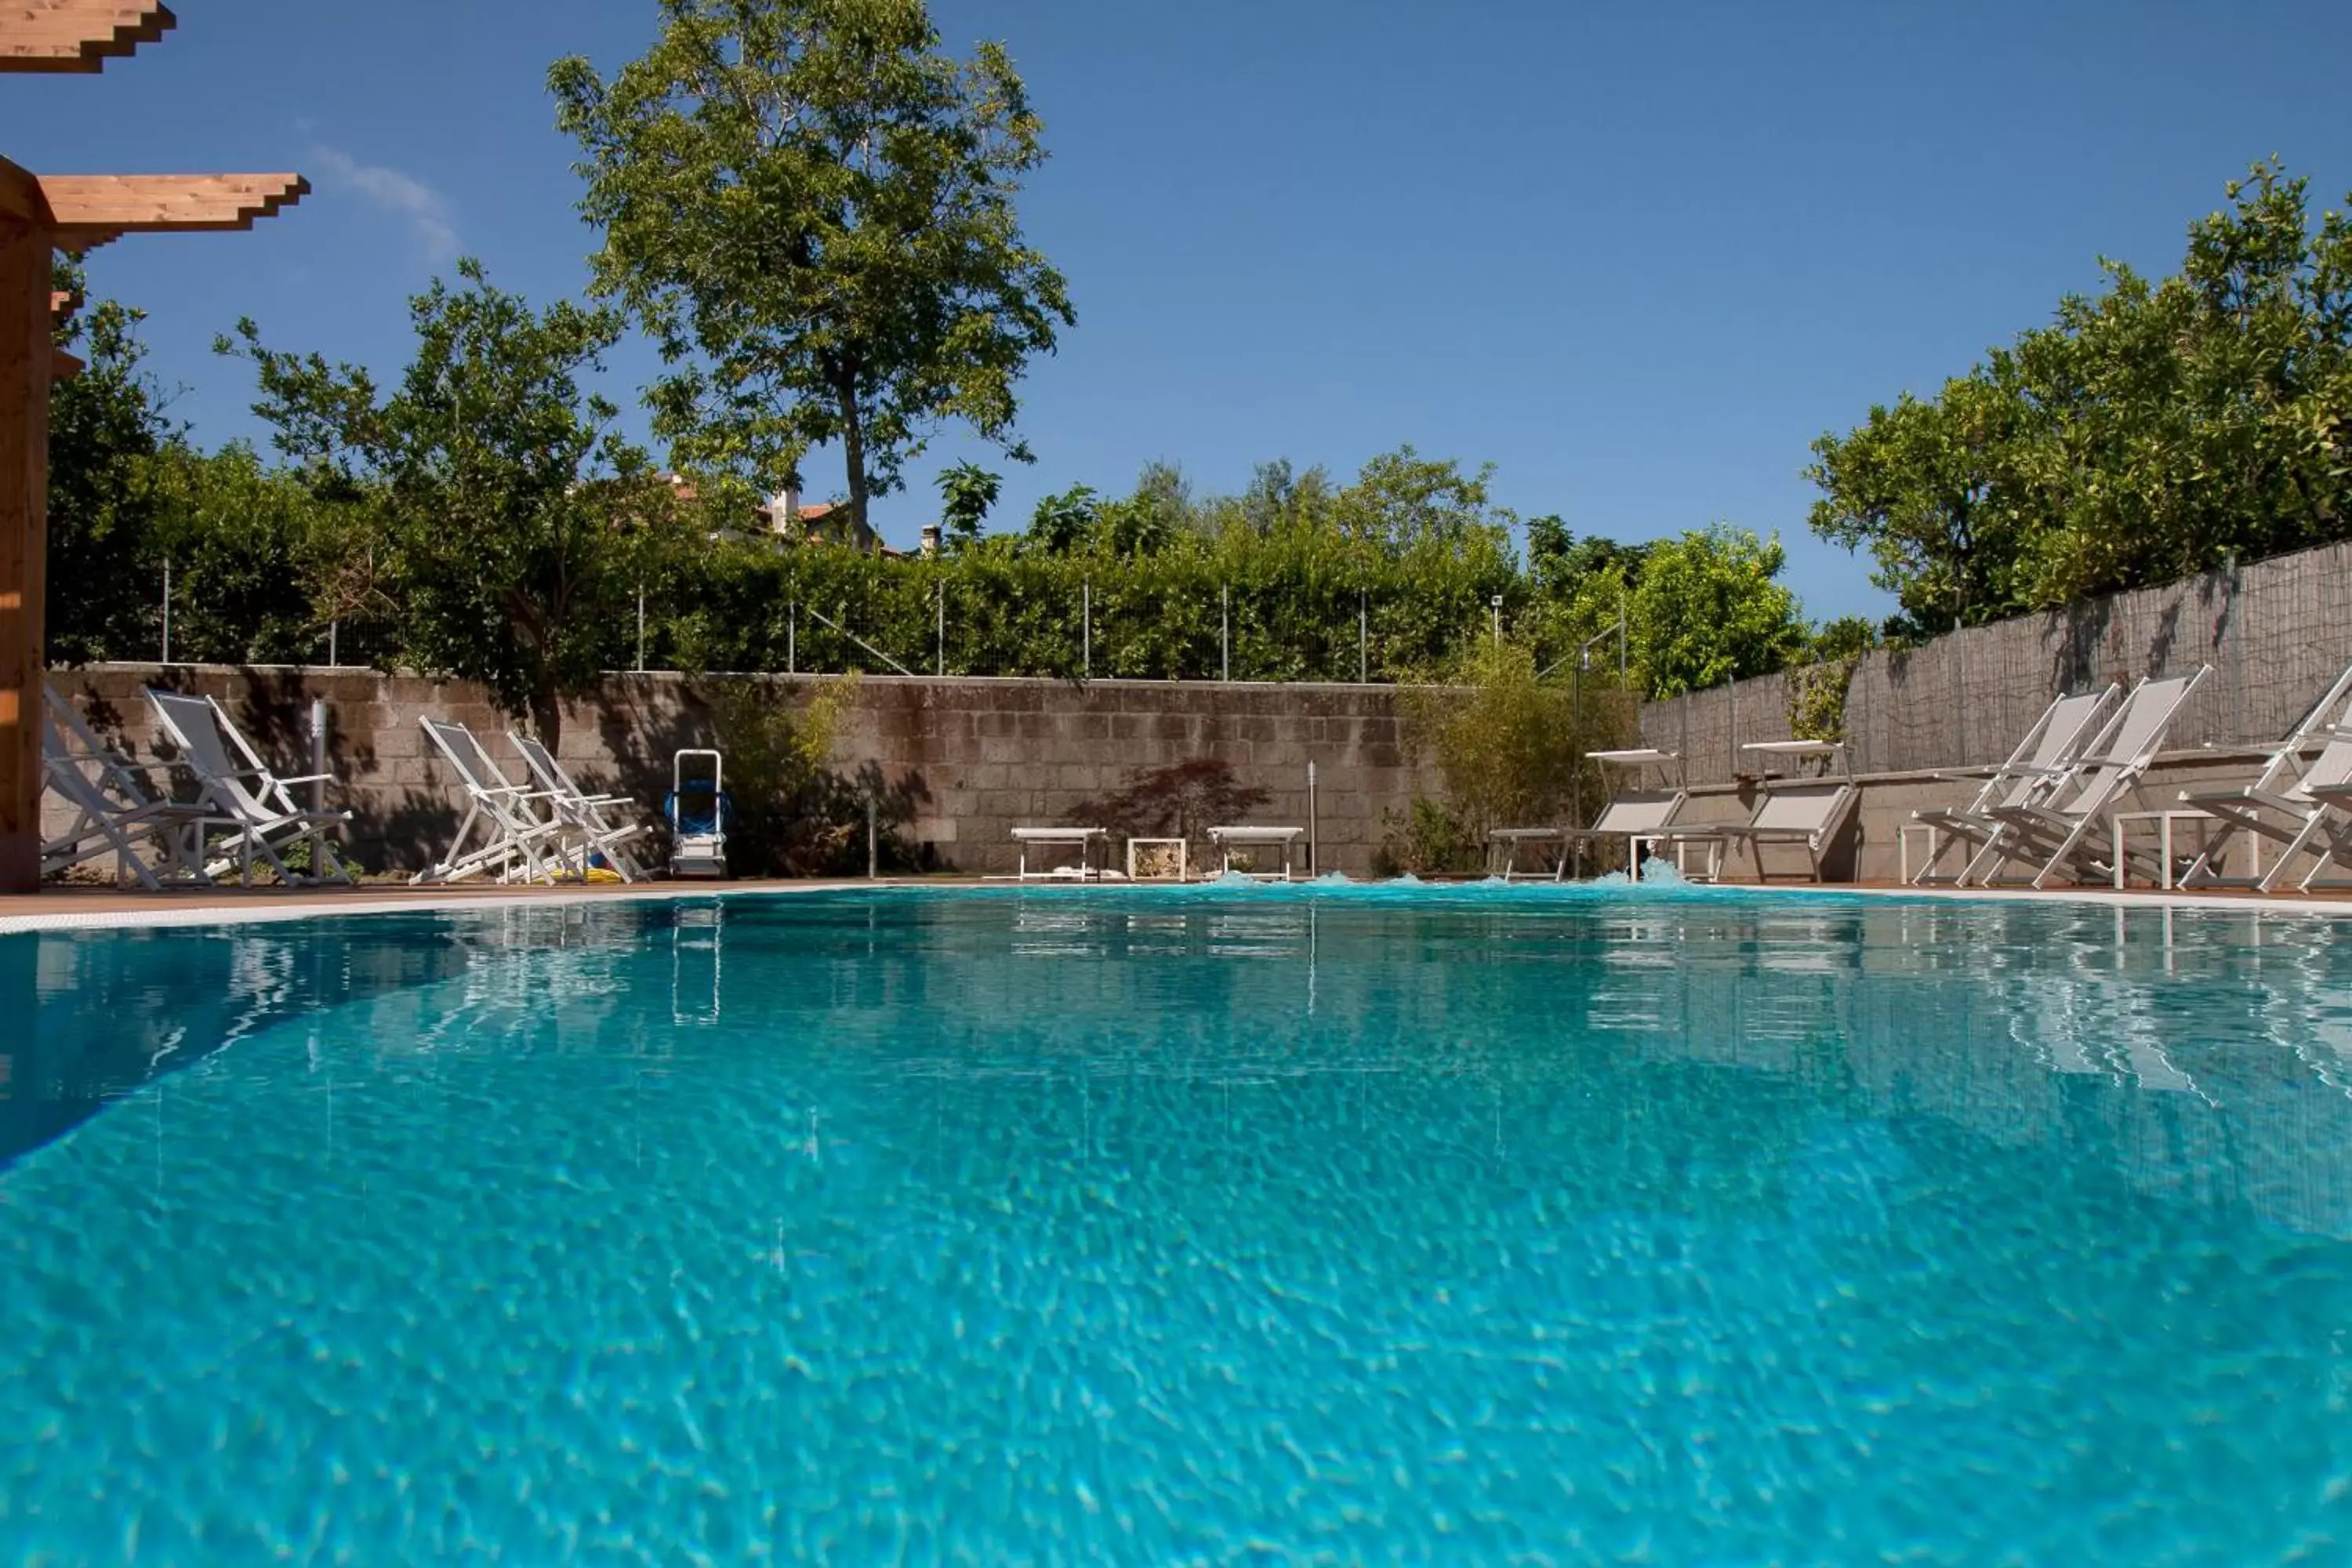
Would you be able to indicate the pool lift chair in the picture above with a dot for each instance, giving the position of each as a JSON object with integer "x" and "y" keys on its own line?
{"x": 698, "y": 810}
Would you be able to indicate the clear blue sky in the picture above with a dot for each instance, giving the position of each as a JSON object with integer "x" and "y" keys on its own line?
{"x": 1637, "y": 257}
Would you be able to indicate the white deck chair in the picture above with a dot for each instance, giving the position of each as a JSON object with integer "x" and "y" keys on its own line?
{"x": 2297, "y": 799}
{"x": 233, "y": 783}
{"x": 2029, "y": 771}
{"x": 1633, "y": 814}
{"x": 2056, "y": 829}
{"x": 582, "y": 814}
{"x": 502, "y": 834}
{"x": 117, "y": 810}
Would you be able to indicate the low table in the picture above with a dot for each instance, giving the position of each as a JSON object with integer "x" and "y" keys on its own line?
{"x": 1228, "y": 839}
{"x": 1082, "y": 839}
{"x": 2164, "y": 820}
{"x": 1184, "y": 852}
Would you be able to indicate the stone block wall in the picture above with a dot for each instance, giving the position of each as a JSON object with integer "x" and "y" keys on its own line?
{"x": 973, "y": 758}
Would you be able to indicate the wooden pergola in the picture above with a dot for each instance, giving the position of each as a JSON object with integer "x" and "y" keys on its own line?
{"x": 41, "y": 215}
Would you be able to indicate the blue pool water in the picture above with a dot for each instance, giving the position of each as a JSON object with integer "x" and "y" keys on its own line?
{"x": 1086, "y": 1226}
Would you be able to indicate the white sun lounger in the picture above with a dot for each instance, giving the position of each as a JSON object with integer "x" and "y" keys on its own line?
{"x": 580, "y": 814}
{"x": 232, "y": 781}
{"x": 502, "y": 834}
{"x": 1082, "y": 839}
{"x": 1230, "y": 838}
{"x": 2300, "y": 801}
{"x": 1804, "y": 811}
{"x": 2059, "y": 830}
{"x": 117, "y": 810}
{"x": 2027, "y": 772}
{"x": 1637, "y": 816}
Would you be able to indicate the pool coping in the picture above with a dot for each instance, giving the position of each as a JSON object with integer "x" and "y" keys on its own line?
{"x": 283, "y": 909}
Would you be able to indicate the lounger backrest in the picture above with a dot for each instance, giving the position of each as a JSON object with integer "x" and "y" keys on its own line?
{"x": 230, "y": 771}
{"x": 1809, "y": 808}
{"x": 2052, "y": 744}
{"x": 479, "y": 776}
{"x": 1639, "y": 811}
{"x": 2124, "y": 749}
{"x": 542, "y": 765}
{"x": 69, "y": 747}
{"x": 2286, "y": 773}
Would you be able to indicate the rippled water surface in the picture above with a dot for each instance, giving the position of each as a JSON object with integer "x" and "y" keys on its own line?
{"x": 1088, "y": 1225}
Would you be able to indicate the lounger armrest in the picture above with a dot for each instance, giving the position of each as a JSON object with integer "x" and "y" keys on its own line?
{"x": 310, "y": 778}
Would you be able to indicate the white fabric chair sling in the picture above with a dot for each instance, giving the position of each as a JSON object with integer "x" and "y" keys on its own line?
{"x": 117, "y": 810}
{"x": 2300, "y": 801}
{"x": 2057, "y": 828}
{"x": 502, "y": 834}
{"x": 232, "y": 781}
{"x": 580, "y": 814}
{"x": 1806, "y": 812}
{"x": 2028, "y": 772}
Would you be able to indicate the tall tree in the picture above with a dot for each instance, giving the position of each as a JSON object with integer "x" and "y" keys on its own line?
{"x": 106, "y": 426}
{"x": 811, "y": 206}
{"x": 514, "y": 524}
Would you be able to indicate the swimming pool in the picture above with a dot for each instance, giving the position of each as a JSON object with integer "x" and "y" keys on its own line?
{"x": 1151, "y": 1226}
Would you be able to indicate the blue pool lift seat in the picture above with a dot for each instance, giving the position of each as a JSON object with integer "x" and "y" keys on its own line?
{"x": 698, "y": 810}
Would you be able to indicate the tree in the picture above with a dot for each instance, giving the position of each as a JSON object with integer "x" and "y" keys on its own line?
{"x": 966, "y": 492}
{"x": 1709, "y": 607}
{"x": 2154, "y": 430}
{"x": 513, "y": 524}
{"x": 106, "y": 425}
{"x": 811, "y": 206}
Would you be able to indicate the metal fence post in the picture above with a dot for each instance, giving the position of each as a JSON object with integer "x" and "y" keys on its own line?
{"x": 641, "y": 628}
{"x": 1086, "y": 628}
{"x": 1225, "y": 632}
{"x": 941, "y": 634}
{"x": 792, "y": 637}
{"x": 167, "y": 610}
{"x": 1363, "y": 636}
{"x": 334, "y": 659}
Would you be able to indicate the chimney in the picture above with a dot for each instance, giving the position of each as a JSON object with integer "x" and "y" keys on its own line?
{"x": 930, "y": 538}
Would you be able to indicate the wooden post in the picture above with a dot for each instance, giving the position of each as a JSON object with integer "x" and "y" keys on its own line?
{"x": 23, "y": 542}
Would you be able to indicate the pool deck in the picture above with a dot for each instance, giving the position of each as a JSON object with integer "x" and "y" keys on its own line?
{"x": 93, "y": 908}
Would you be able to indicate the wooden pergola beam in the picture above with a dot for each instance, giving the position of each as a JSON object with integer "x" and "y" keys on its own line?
{"x": 76, "y": 35}
{"x": 89, "y": 210}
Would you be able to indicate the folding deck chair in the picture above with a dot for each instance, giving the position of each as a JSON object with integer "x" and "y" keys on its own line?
{"x": 580, "y": 814}
{"x": 502, "y": 834}
{"x": 117, "y": 810}
{"x": 2056, "y": 827}
{"x": 1805, "y": 812}
{"x": 2028, "y": 772}
{"x": 233, "y": 783}
{"x": 2305, "y": 805}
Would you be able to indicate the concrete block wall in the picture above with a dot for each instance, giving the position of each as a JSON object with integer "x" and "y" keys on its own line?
{"x": 976, "y": 757}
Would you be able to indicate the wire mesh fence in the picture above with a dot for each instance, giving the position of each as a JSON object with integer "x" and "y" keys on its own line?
{"x": 2276, "y": 634}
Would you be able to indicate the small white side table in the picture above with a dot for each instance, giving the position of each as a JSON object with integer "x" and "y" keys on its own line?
{"x": 1902, "y": 847}
{"x": 2163, "y": 821}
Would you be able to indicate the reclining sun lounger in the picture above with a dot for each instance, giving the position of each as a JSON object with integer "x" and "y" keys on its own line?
{"x": 1229, "y": 839}
{"x": 586, "y": 832}
{"x": 2300, "y": 801}
{"x": 117, "y": 810}
{"x": 1635, "y": 815}
{"x": 1804, "y": 811}
{"x": 2029, "y": 772}
{"x": 233, "y": 783}
{"x": 502, "y": 834}
{"x": 2061, "y": 830}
